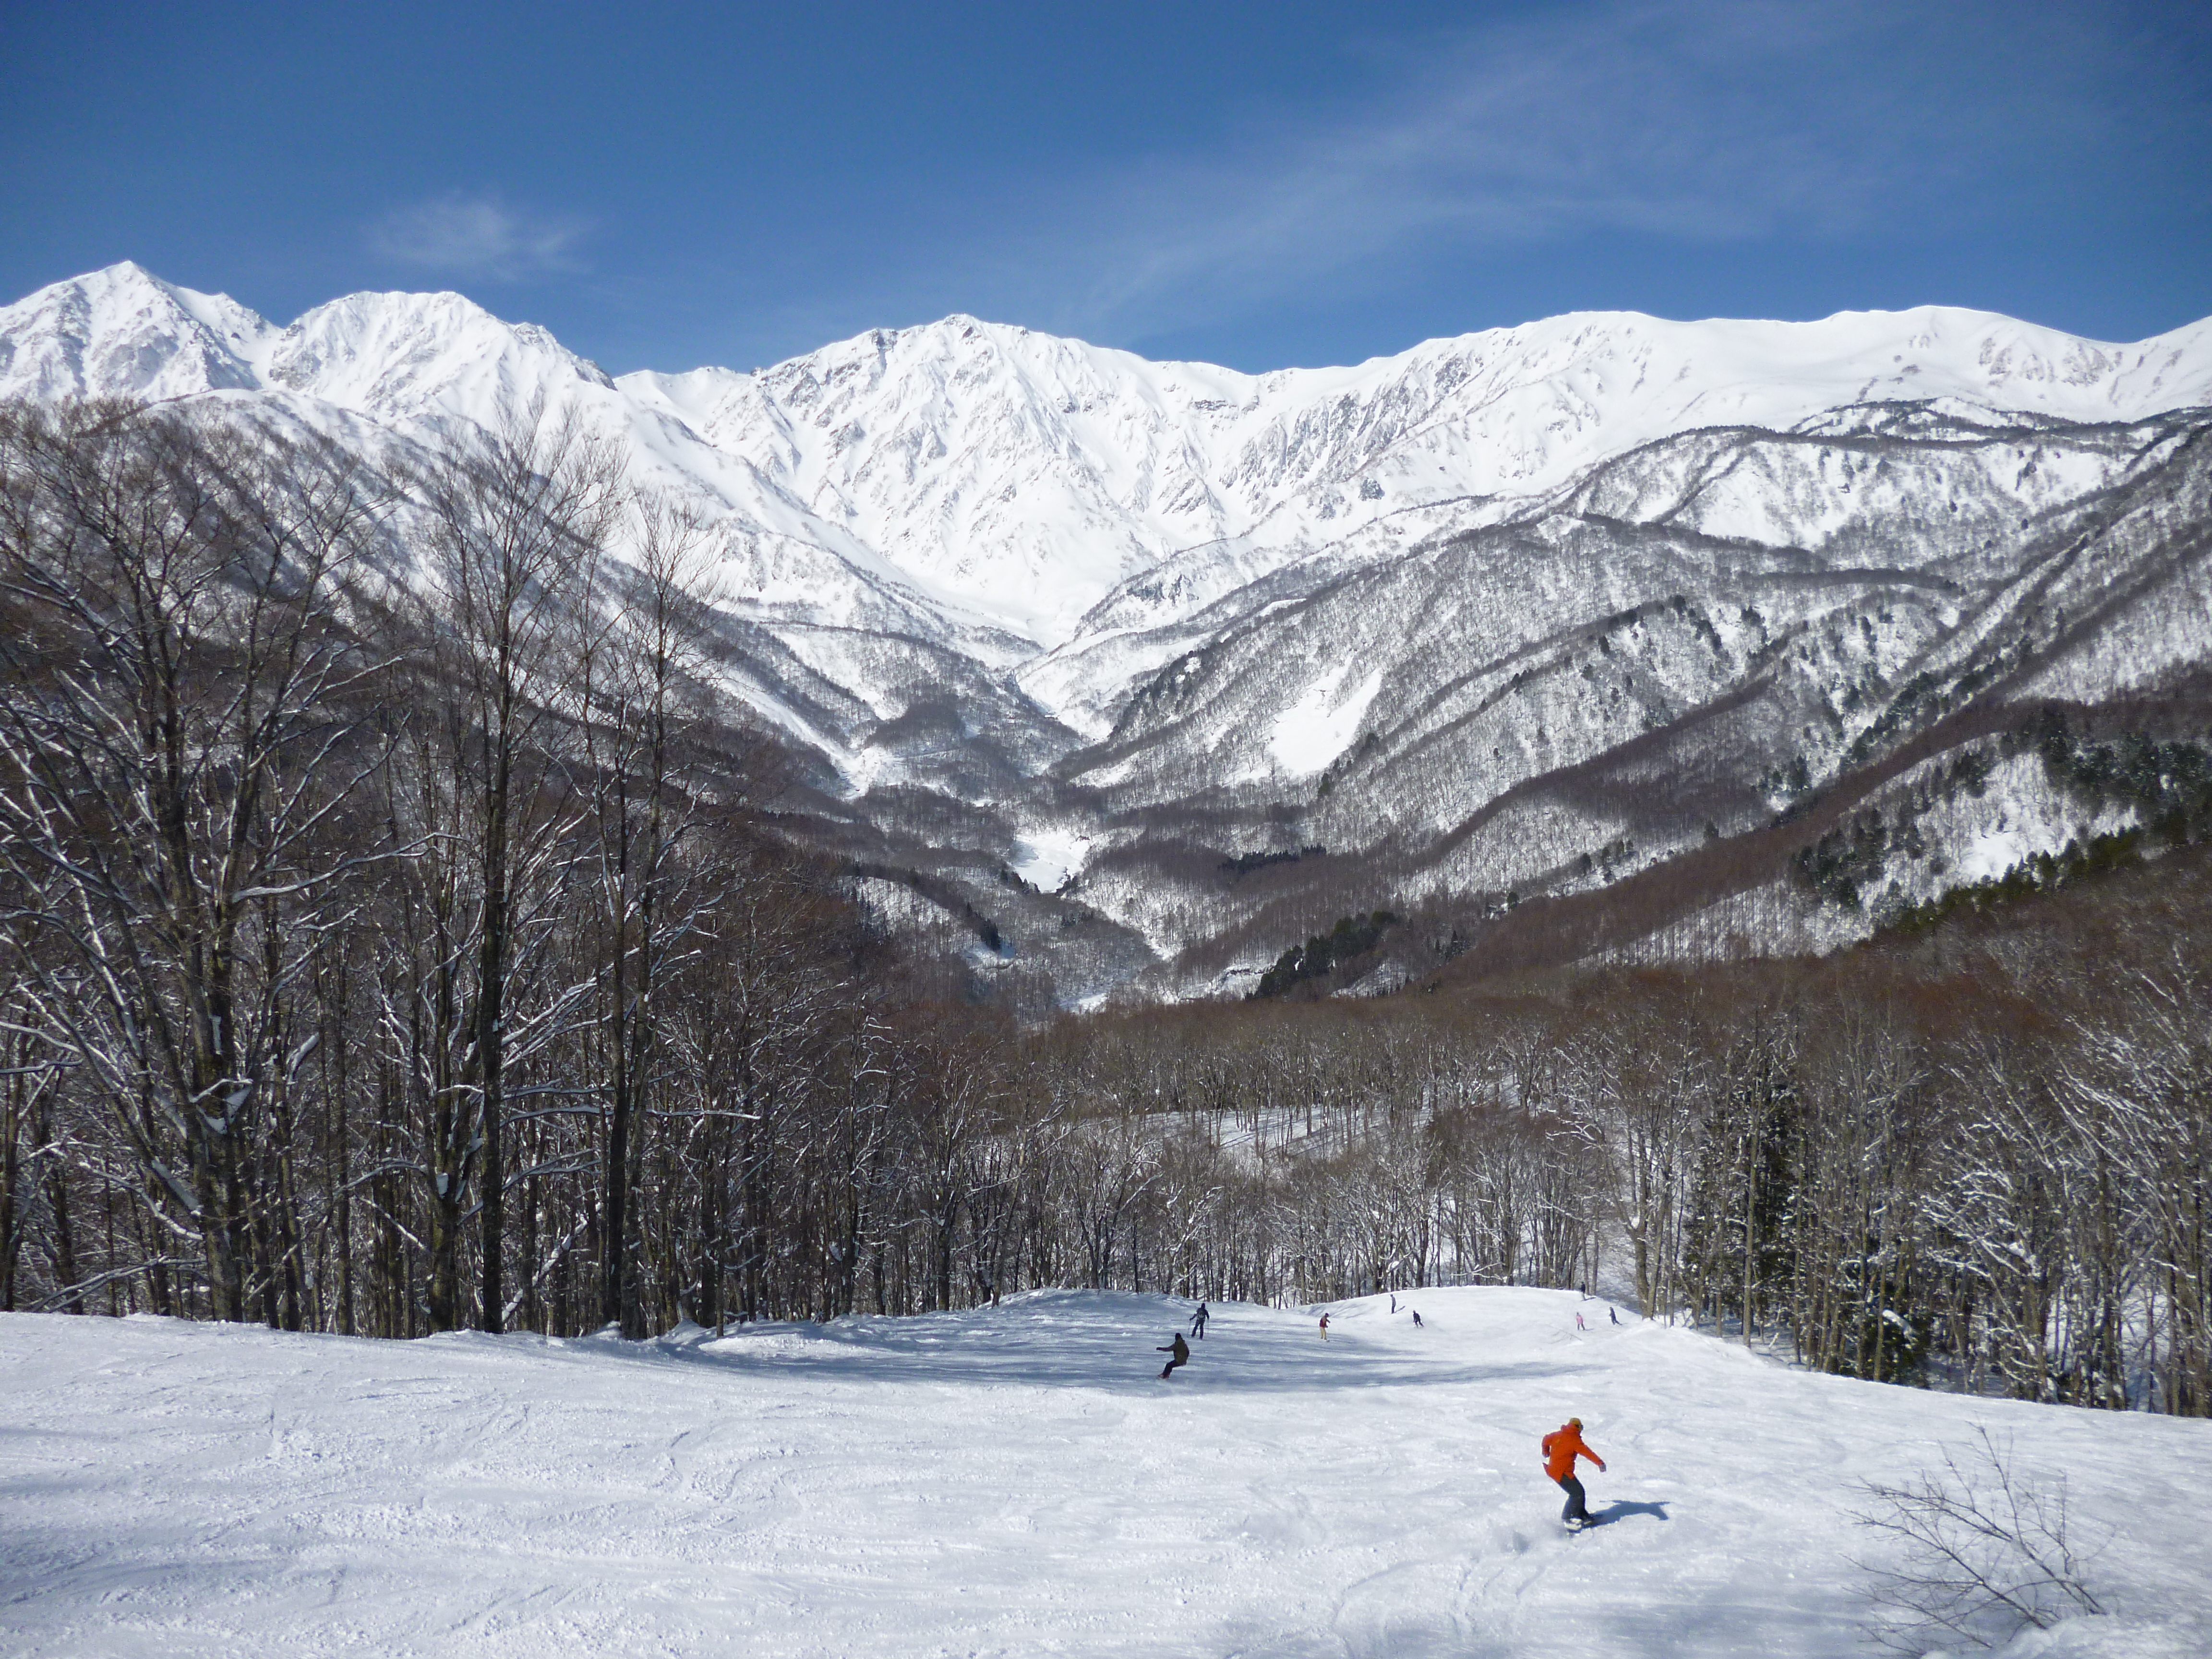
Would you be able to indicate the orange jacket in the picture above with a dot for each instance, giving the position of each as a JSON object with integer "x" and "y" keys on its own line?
{"x": 1561, "y": 1447}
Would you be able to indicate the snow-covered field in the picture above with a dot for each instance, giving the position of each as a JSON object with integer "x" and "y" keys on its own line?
{"x": 1007, "y": 1481}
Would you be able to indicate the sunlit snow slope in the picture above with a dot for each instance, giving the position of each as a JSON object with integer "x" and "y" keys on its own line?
{"x": 1008, "y": 1481}
{"x": 1019, "y": 478}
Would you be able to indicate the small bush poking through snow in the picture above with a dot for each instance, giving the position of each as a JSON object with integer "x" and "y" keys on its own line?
{"x": 1985, "y": 1553}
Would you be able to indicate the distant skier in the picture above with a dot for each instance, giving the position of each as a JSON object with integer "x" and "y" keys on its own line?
{"x": 1614, "y": 1313}
{"x": 1198, "y": 1323}
{"x": 1417, "y": 1319}
{"x": 1324, "y": 1327}
{"x": 1394, "y": 1301}
{"x": 1178, "y": 1353}
{"x": 1561, "y": 1447}
{"x": 1578, "y": 1323}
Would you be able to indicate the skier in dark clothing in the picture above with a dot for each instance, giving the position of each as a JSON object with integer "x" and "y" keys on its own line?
{"x": 1614, "y": 1313}
{"x": 1178, "y": 1353}
{"x": 1197, "y": 1322}
{"x": 1417, "y": 1317}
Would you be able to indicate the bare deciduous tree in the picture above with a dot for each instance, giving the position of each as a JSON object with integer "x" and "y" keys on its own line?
{"x": 186, "y": 694}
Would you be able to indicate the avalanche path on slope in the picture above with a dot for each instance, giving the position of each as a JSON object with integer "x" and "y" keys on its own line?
{"x": 1003, "y": 1481}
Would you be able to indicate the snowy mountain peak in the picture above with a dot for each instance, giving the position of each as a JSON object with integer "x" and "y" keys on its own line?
{"x": 1684, "y": 571}
{"x": 1041, "y": 489}
{"x": 123, "y": 331}
{"x": 423, "y": 357}
{"x": 1022, "y": 478}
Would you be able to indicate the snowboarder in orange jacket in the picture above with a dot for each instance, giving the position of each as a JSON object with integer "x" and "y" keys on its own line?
{"x": 1561, "y": 1447}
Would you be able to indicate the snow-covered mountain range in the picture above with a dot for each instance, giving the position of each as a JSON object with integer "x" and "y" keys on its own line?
{"x": 1084, "y": 639}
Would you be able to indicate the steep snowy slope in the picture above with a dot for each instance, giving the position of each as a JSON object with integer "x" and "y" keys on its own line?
{"x": 122, "y": 332}
{"x": 1020, "y": 479}
{"x": 1011, "y": 1481}
{"x": 1550, "y": 704}
{"x": 1031, "y": 476}
{"x": 1730, "y": 541}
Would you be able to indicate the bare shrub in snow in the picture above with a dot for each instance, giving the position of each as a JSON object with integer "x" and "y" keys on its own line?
{"x": 1982, "y": 1552}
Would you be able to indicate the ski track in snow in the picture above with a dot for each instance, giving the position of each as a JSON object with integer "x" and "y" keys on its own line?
{"x": 1005, "y": 1481}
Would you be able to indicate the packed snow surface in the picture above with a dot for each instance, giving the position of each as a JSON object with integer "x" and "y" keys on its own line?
{"x": 1007, "y": 1482}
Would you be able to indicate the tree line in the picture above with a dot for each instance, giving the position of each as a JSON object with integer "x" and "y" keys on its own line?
{"x": 390, "y": 945}
{"x": 395, "y": 943}
{"x": 1975, "y": 1157}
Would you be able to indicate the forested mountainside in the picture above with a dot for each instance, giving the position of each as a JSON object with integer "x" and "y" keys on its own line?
{"x": 1123, "y": 679}
{"x": 388, "y": 956}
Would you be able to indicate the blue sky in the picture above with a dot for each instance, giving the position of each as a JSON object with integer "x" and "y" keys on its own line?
{"x": 1259, "y": 185}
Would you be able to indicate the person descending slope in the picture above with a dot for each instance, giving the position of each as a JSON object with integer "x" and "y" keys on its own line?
{"x": 1324, "y": 1327}
{"x": 1178, "y": 1353}
{"x": 1198, "y": 1323}
{"x": 1561, "y": 1447}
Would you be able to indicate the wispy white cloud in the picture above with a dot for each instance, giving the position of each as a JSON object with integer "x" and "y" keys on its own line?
{"x": 1702, "y": 120}
{"x": 477, "y": 236}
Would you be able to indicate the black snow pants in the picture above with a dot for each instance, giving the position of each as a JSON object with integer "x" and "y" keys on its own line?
{"x": 1574, "y": 1510}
